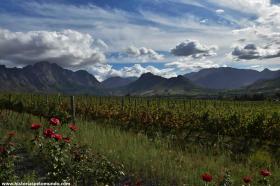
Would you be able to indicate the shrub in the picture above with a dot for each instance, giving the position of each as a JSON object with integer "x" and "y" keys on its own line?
{"x": 7, "y": 158}
{"x": 66, "y": 161}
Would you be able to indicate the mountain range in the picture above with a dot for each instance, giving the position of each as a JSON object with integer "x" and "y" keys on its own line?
{"x": 229, "y": 78}
{"x": 116, "y": 82}
{"x": 51, "y": 78}
{"x": 149, "y": 84}
{"x": 47, "y": 77}
{"x": 272, "y": 85}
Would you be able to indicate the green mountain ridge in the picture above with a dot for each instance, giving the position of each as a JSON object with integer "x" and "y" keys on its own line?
{"x": 266, "y": 85}
{"x": 229, "y": 78}
{"x": 149, "y": 84}
{"x": 45, "y": 77}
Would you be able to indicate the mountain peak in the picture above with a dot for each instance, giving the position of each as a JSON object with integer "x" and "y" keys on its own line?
{"x": 266, "y": 70}
{"x": 47, "y": 77}
{"x": 147, "y": 74}
{"x": 46, "y": 64}
{"x": 181, "y": 77}
{"x": 117, "y": 81}
{"x": 42, "y": 63}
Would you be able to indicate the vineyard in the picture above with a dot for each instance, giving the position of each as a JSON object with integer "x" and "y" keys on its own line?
{"x": 179, "y": 119}
{"x": 241, "y": 128}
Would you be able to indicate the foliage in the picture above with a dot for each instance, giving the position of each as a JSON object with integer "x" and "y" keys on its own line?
{"x": 67, "y": 161}
{"x": 238, "y": 126}
{"x": 7, "y": 159}
{"x": 227, "y": 180}
{"x": 261, "y": 158}
{"x": 242, "y": 124}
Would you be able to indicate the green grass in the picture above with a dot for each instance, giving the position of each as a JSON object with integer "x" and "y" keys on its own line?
{"x": 155, "y": 160}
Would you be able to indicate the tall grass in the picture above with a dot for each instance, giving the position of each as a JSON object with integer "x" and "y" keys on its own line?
{"x": 156, "y": 160}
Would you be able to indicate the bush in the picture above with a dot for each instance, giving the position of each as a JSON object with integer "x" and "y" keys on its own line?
{"x": 66, "y": 161}
{"x": 7, "y": 158}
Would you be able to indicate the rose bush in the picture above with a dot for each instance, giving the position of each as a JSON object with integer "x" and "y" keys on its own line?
{"x": 265, "y": 173}
{"x": 68, "y": 161}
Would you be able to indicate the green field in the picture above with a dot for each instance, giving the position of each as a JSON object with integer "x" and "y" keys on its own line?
{"x": 160, "y": 141}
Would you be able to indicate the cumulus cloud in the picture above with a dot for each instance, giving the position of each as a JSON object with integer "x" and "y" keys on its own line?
{"x": 104, "y": 71}
{"x": 263, "y": 34}
{"x": 220, "y": 11}
{"x": 187, "y": 64}
{"x": 121, "y": 28}
{"x": 252, "y": 51}
{"x": 248, "y": 6}
{"x": 193, "y": 48}
{"x": 143, "y": 53}
{"x": 67, "y": 48}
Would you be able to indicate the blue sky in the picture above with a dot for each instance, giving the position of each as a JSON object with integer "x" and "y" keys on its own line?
{"x": 131, "y": 37}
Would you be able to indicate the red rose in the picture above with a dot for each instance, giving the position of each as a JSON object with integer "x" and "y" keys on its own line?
{"x": 48, "y": 132}
{"x": 247, "y": 179}
{"x": 2, "y": 150}
{"x": 11, "y": 134}
{"x": 67, "y": 140}
{"x": 206, "y": 177}
{"x": 73, "y": 127}
{"x": 35, "y": 126}
{"x": 54, "y": 121}
{"x": 265, "y": 173}
{"x": 58, "y": 137}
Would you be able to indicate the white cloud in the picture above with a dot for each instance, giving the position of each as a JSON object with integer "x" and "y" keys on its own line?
{"x": 104, "y": 71}
{"x": 252, "y": 51}
{"x": 188, "y": 64}
{"x": 220, "y": 11}
{"x": 261, "y": 37}
{"x": 67, "y": 48}
{"x": 193, "y": 48}
{"x": 248, "y": 6}
{"x": 153, "y": 29}
{"x": 116, "y": 27}
{"x": 143, "y": 53}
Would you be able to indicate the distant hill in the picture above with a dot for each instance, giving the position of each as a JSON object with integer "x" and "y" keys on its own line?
{"x": 47, "y": 77}
{"x": 116, "y": 82}
{"x": 229, "y": 78}
{"x": 150, "y": 84}
{"x": 266, "y": 85}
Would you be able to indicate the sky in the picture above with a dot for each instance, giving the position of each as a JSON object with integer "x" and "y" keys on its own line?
{"x": 131, "y": 37}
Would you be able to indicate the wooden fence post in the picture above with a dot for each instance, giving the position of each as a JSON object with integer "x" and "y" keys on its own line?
{"x": 73, "y": 108}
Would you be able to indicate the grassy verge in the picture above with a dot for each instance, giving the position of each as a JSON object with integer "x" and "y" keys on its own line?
{"x": 156, "y": 160}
